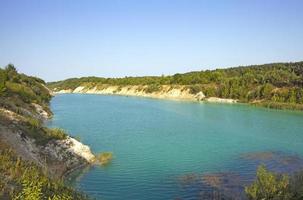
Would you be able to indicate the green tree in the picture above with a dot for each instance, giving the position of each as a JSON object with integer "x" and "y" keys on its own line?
{"x": 11, "y": 68}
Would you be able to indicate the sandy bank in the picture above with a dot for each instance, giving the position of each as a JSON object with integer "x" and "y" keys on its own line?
{"x": 173, "y": 92}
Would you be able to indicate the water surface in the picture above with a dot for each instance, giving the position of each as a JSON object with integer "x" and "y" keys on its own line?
{"x": 177, "y": 150}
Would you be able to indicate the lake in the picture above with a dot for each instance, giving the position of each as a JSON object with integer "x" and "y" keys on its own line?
{"x": 177, "y": 150}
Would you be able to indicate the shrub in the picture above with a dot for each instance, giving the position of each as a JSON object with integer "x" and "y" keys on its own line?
{"x": 194, "y": 89}
{"x": 34, "y": 123}
{"x": 24, "y": 180}
{"x": 3, "y": 78}
{"x": 24, "y": 92}
{"x": 57, "y": 133}
{"x": 152, "y": 88}
{"x": 268, "y": 186}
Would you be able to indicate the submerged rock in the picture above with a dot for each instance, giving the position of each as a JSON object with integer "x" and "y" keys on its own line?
{"x": 279, "y": 162}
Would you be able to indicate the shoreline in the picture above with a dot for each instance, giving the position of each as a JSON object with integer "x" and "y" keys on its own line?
{"x": 217, "y": 100}
{"x": 69, "y": 172}
{"x": 177, "y": 93}
{"x": 67, "y": 154}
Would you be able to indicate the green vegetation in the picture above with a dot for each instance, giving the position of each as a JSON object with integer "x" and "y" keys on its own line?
{"x": 18, "y": 94}
{"x": 152, "y": 88}
{"x": 22, "y": 180}
{"x": 57, "y": 133}
{"x": 105, "y": 157}
{"x": 277, "y": 85}
{"x": 269, "y": 185}
{"x": 19, "y": 179}
{"x": 19, "y": 91}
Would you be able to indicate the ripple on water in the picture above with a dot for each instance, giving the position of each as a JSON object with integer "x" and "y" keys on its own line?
{"x": 157, "y": 142}
{"x": 231, "y": 184}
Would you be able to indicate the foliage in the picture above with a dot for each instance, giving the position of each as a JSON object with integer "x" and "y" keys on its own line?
{"x": 57, "y": 133}
{"x": 194, "y": 89}
{"x": 33, "y": 128}
{"x": 152, "y": 88}
{"x": 105, "y": 157}
{"x": 269, "y": 186}
{"x": 3, "y": 78}
{"x": 277, "y": 105}
{"x": 276, "y": 83}
{"x": 28, "y": 89}
{"x": 21, "y": 179}
{"x": 29, "y": 180}
{"x": 19, "y": 92}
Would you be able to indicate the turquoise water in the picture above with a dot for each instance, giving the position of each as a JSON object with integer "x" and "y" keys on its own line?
{"x": 167, "y": 149}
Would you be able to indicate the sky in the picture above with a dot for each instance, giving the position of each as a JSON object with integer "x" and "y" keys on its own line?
{"x": 59, "y": 39}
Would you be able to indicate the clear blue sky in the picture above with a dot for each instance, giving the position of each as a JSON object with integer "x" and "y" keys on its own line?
{"x": 58, "y": 39}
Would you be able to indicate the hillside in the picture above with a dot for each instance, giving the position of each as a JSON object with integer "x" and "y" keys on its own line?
{"x": 277, "y": 85}
{"x": 33, "y": 158}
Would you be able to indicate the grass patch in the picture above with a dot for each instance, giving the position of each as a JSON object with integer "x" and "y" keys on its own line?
{"x": 22, "y": 180}
{"x": 279, "y": 105}
{"x": 57, "y": 133}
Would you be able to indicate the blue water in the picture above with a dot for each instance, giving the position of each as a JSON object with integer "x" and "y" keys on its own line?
{"x": 167, "y": 149}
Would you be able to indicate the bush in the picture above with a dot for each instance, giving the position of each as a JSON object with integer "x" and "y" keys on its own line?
{"x": 152, "y": 88}
{"x": 26, "y": 94}
{"x": 269, "y": 186}
{"x": 194, "y": 89}
{"x": 34, "y": 123}
{"x": 57, "y": 134}
{"x": 3, "y": 78}
{"x": 24, "y": 180}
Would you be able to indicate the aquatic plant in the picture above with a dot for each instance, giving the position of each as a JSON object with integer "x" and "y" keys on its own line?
{"x": 104, "y": 158}
{"x": 269, "y": 186}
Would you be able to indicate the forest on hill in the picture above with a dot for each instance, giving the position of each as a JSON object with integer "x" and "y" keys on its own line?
{"x": 276, "y": 85}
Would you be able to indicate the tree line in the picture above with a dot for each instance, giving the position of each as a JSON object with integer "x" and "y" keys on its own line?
{"x": 275, "y": 83}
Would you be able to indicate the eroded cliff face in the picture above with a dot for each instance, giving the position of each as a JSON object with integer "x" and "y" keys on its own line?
{"x": 164, "y": 92}
{"x": 56, "y": 157}
{"x": 174, "y": 92}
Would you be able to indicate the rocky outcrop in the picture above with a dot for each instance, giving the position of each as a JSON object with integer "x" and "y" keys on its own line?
{"x": 56, "y": 157}
{"x": 75, "y": 147}
{"x": 42, "y": 114}
{"x": 71, "y": 153}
